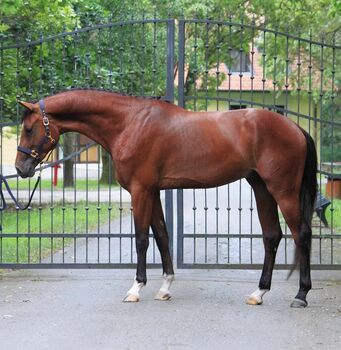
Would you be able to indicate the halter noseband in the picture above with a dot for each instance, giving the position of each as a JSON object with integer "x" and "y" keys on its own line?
{"x": 36, "y": 152}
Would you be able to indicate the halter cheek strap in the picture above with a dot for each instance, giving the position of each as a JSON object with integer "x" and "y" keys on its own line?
{"x": 36, "y": 152}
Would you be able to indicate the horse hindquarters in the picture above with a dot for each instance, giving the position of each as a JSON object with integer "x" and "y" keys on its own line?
{"x": 295, "y": 197}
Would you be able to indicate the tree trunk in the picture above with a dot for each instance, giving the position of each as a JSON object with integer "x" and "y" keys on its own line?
{"x": 69, "y": 141}
{"x": 108, "y": 169}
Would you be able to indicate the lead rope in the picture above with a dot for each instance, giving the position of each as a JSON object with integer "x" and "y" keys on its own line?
{"x": 10, "y": 192}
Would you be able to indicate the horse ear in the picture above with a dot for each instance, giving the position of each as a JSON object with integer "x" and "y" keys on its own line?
{"x": 29, "y": 106}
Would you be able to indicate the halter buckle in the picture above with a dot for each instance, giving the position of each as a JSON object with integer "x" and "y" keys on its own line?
{"x": 46, "y": 121}
{"x": 34, "y": 154}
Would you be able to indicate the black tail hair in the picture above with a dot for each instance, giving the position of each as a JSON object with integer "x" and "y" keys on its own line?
{"x": 309, "y": 181}
{"x": 309, "y": 189}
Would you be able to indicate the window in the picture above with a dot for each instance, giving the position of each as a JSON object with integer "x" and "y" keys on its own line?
{"x": 240, "y": 62}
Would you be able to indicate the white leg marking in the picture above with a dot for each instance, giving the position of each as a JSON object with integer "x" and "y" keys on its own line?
{"x": 256, "y": 298}
{"x": 133, "y": 293}
{"x": 164, "y": 293}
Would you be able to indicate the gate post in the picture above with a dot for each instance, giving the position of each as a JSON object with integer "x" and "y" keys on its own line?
{"x": 170, "y": 97}
{"x": 181, "y": 103}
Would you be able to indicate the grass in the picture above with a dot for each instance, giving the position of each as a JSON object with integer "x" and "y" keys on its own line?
{"x": 81, "y": 184}
{"x": 56, "y": 219}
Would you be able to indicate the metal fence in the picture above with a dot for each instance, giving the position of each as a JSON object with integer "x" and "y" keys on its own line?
{"x": 232, "y": 65}
{"x": 90, "y": 224}
{"x": 217, "y": 65}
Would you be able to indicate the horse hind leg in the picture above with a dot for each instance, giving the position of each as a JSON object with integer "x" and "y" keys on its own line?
{"x": 302, "y": 234}
{"x": 272, "y": 234}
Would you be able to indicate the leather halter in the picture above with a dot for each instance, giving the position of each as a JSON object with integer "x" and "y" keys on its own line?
{"x": 36, "y": 152}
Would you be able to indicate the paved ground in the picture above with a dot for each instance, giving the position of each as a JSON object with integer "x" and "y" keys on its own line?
{"x": 83, "y": 310}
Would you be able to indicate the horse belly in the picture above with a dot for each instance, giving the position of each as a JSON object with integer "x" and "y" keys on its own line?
{"x": 208, "y": 174}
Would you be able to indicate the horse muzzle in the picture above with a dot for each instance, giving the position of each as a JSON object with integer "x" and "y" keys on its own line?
{"x": 25, "y": 169}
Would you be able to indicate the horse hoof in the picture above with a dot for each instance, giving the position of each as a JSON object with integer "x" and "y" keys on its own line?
{"x": 298, "y": 303}
{"x": 254, "y": 301}
{"x": 131, "y": 298}
{"x": 163, "y": 296}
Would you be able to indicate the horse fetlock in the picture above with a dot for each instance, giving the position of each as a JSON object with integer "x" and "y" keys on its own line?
{"x": 298, "y": 303}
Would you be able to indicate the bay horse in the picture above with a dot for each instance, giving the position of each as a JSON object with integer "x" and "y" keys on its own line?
{"x": 157, "y": 145}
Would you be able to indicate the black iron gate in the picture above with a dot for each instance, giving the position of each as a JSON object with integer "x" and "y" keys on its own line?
{"x": 218, "y": 65}
{"x": 230, "y": 65}
{"x": 90, "y": 224}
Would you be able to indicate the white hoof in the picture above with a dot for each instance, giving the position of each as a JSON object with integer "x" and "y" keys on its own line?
{"x": 133, "y": 295}
{"x": 163, "y": 295}
{"x": 131, "y": 298}
{"x": 256, "y": 298}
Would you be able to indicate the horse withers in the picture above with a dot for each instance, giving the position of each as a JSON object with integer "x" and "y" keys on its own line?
{"x": 156, "y": 145}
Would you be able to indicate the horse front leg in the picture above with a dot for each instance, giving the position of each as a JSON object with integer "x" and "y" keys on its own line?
{"x": 142, "y": 201}
{"x": 162, "y": 240}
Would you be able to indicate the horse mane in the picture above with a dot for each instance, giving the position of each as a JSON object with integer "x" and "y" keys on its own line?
{"x": 160, "y": 98}
{"x": 157, "y": 98}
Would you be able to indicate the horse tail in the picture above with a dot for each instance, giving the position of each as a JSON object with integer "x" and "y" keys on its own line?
{"x": 308, "y": 191}
{"x": 309, "y": 181}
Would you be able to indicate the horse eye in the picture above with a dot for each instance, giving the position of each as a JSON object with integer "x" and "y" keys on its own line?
{"x": 28, "y": 130}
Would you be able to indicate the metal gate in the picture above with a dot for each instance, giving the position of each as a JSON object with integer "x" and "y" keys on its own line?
{"x": 218, "y": 65}
{"x": 230, "y": 65}
{"x": 89, "y": 224}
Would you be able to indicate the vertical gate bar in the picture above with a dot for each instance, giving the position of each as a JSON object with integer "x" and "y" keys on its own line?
{"x": 287, "y": 60}
{"x": 298, "y": 77}
{"x": 17, "y": 141}
{"x": 64, "y": 60}
{"x": 99, "y": 155}
{"x": 194, "y": 225}
{"x": 241, "y": 51}
{"x": 263, "y": 66}
{"x": 321, "y": 136}
{"x": 143, "y": 55}
{"x": 218, "y": 48}
{"x": 76, "y": 140}
{"x": 181, "y": 103}
{"x": 100, "y": 150}
{"x": 170, "y": 97}
{"x": 120, "y": 225}
{"x": 274, "y": 82}
{"x": 40, "y": 92}
{"x": 217, "y": 224}
{"x": 2, "y": 38}
{"x": 310, "y": 66}
{"x": 52, "y": 192}
{"x": 110, "y": 175}
{"x": 228, "y": 223}
{"x": 206, "y": 108}
{"x": 332, "y": 151}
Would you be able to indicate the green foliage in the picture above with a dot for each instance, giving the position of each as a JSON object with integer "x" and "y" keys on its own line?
{"x": 132, "y": 57}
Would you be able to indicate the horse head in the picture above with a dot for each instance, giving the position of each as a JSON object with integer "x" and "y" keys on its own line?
{"x": 39, "y": 136}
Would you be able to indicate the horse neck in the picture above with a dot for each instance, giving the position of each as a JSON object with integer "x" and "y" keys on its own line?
{"x": 100, "y": 117}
